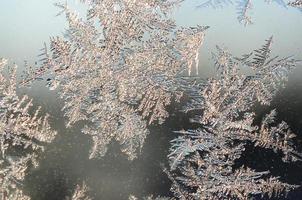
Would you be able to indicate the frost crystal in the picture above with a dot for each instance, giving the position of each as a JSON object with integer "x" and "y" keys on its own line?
{"x": 215, "y": 4}
{"x": 244, "y": 7}
{"x": 242, "y": 11}
{"x": 202, "y": 160}
{"x": 120, "y": 68}
{"x": 80, "y": 193}
{"x": 22, "y": 136}
{"x": 297, "y": 3}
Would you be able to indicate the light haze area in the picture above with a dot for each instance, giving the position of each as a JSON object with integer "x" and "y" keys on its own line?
{"x": 26, "y": 25}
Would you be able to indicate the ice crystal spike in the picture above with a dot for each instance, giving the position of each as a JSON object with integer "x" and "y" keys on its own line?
{"x": 120, "y": 68}
{"x": 202, "y": 160}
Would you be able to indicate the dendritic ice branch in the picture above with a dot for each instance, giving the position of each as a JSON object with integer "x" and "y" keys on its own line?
{"x": 120, "y": 68}
{"x": 201, "y": 160}
{"x": 244, "y": 7}
{"x": 22, "y": 136}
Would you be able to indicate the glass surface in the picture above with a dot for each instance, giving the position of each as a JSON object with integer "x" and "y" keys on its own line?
{"x": 26, "y": 25}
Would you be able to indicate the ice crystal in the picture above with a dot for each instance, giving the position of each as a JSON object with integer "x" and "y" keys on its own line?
{"x": 242, "y": 11}
{"x": 215, "y": 4}
{"x": 243, "y": 7}
{"x": 201, "y": 160}
{"x": 120, "y": 68}
{"x": 297, "y": 3}
{"x": 80, "y": 193}
{"x": 22, "y": 136}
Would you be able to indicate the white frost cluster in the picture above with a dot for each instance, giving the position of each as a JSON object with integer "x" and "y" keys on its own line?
{"x": 201, "y": 160}
{"x": 120, "y": 68}
{"x": 22, "y": 136}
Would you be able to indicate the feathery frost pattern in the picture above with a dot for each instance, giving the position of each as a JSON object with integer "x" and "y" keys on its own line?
{"x": 201, "y": 160}
{"x": 120, "y": 68}
{"x": 244, "y": 7}
{"x": 22, "y": 136}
